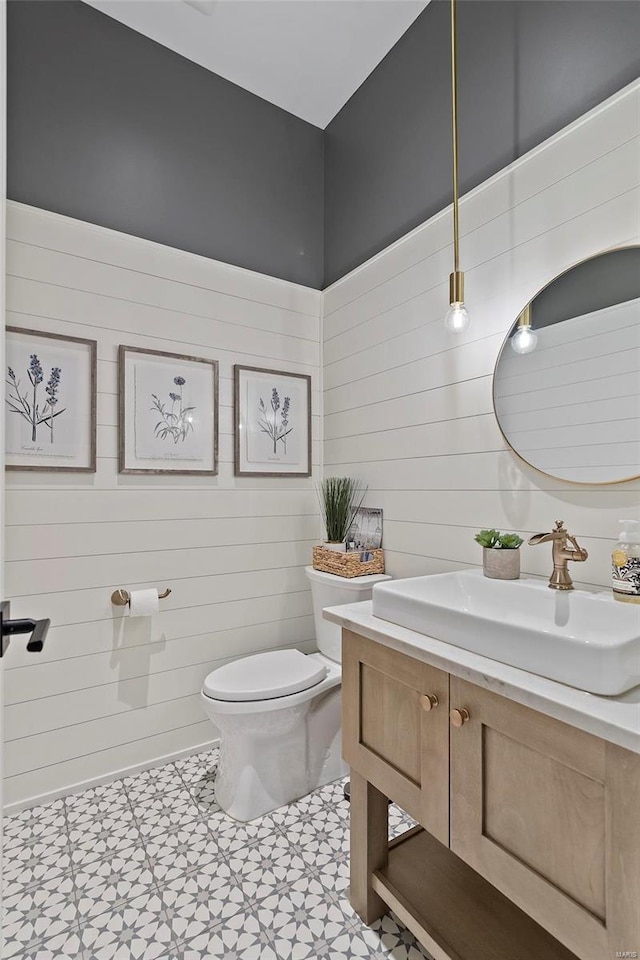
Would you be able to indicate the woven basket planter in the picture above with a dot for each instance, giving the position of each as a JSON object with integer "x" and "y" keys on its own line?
{"x": 347, "y": 564}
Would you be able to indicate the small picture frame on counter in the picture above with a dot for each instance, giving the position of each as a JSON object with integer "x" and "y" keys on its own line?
{"x": 365, "y": 533}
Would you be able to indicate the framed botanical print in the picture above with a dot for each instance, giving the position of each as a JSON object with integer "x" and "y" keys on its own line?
{"x": 168, "y": 413}
{"x": 50, "y": 402}
{"x": 272, "y": 411}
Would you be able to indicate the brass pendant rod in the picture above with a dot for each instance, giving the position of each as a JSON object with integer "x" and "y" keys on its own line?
{"x": 454, "y": 116}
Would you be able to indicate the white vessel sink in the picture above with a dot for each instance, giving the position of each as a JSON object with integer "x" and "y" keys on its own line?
{"x": 584, "y": 639}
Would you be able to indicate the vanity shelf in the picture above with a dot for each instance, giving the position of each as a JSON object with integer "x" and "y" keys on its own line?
{"x": 452, "y": 910}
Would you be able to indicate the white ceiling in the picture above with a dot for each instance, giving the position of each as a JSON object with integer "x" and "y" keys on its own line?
{"x": 307, "y": 56}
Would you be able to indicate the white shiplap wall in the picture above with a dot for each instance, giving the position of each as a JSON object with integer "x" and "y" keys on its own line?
{"x": 408, "y": 406}
{"x": 109, "y": 693}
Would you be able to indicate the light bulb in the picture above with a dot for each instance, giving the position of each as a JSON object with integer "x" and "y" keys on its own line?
{"x": 456, "y": 318}
{"x": 524, "y": 340}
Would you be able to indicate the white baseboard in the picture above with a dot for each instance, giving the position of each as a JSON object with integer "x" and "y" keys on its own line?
{"x": 13, "y": 808}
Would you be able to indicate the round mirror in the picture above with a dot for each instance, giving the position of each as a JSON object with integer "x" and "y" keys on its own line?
{"x": 566, "y": 388}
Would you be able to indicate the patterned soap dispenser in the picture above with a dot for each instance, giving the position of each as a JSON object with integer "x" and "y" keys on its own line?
{"x": 625, "y": 563}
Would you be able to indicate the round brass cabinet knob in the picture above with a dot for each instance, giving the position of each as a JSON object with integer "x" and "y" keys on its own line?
{"x": 429, "y": 701}
{"x": 459, "y": 717}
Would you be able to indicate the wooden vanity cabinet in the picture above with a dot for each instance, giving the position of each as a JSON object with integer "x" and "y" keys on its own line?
{"x": 395, "y": 723}
{"x": 538, "y": 822}
{"x": 538, "y": 809}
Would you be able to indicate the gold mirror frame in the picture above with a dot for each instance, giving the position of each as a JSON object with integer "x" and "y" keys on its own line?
{"x": 505, "y": 344}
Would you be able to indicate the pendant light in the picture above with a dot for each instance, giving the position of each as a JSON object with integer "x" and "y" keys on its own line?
{"x": 524, "y": 339}
{"x": 456, "y": 319}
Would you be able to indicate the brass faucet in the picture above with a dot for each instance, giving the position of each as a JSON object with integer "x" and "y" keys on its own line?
{"x": 560, "y": 579}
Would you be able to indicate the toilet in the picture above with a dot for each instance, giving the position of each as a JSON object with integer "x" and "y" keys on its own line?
{"x": 279, "y": 713}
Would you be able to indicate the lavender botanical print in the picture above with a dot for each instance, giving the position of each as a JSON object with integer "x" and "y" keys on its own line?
{"x": 27, "y": 401}
{"x": 49, "y": 401}
{"x": 272, "y": 423}
{"x": 275, "y": 421}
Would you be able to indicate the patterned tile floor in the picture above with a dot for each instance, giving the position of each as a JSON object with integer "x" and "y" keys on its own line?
{"x": 149, "y": 868}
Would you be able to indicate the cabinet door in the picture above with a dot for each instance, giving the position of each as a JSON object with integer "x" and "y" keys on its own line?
{"x": 544, "y": 812}
{"x": 396, "y": 728}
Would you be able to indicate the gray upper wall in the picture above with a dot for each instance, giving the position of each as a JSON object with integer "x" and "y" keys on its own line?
{"x": 110, "y": 127}
{"x": 526, "y": 69}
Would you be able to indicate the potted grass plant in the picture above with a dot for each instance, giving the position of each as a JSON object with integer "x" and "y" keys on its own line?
{"x": 500, "y": 554}
{"x": 340, "y": 499}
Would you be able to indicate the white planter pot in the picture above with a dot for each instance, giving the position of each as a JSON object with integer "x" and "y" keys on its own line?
{"x": 498, "y": 564}
{"x": 337, "y": 547}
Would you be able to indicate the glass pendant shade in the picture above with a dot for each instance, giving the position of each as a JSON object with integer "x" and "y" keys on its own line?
{"x": 524, "y": 340}
{"x": 457, "y": 318}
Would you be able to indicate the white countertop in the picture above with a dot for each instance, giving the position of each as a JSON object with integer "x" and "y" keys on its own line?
{"x": 616, "y": 719}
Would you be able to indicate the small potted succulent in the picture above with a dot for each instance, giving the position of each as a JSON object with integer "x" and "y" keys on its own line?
{"x": 340, "y": 499}
{"x": 500, "y": 554}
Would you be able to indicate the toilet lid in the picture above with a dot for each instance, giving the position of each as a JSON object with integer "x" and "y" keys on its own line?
{"x": 264, "y": 676}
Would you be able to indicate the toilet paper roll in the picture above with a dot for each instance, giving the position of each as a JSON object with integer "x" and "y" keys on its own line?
{"x": 144, "y": 603}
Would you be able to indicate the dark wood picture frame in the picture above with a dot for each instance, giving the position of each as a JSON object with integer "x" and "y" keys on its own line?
{"x": 123, "y": 352}
{"x": 237, "y": 422}
{"x": 92, "y": 347}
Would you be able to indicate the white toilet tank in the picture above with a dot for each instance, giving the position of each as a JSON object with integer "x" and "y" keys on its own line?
{"x": 327, "y": 590}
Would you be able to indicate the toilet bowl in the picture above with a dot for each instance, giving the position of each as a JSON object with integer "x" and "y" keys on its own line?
{"x": 279, "y": 713}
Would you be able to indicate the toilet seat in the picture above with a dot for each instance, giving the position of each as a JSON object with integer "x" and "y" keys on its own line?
{"x": 264, "y": 676}
{"x": 332, "y": 678}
